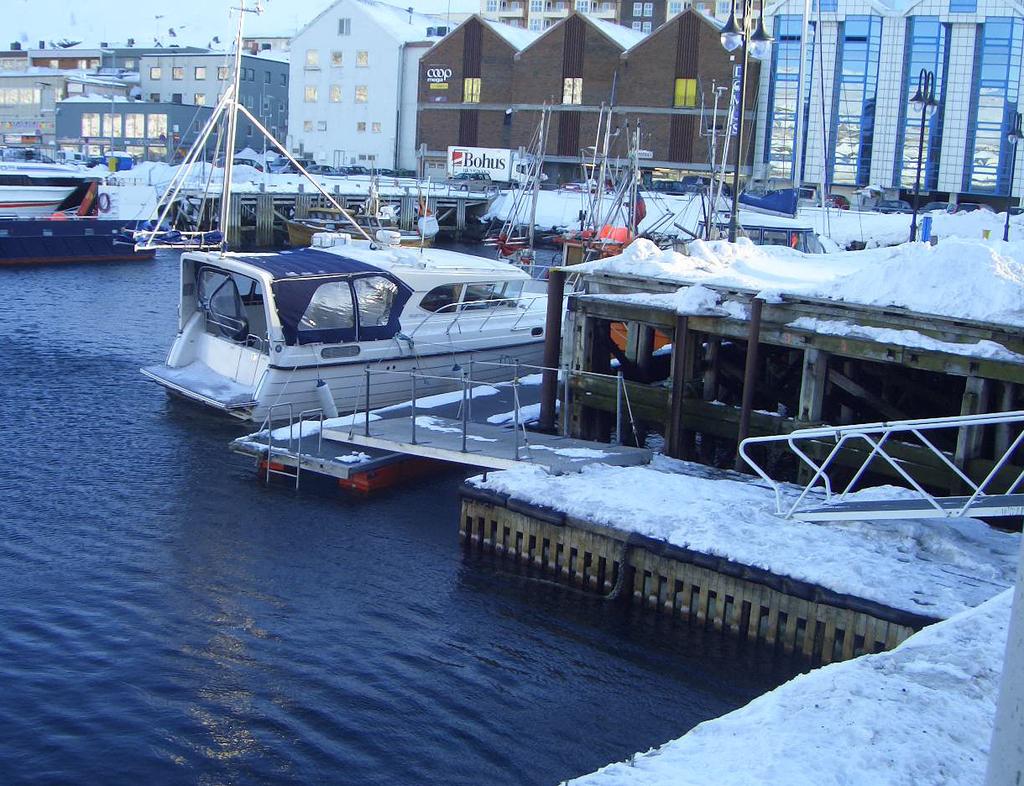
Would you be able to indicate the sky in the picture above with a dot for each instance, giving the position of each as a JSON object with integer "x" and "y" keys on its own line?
{"x": 195, "y": 22}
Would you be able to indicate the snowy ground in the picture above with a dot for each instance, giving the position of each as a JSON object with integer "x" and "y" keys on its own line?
{"x": 920, "y": 714}
{"x": 960, "y": 278}
{"x": 935, "y": 568}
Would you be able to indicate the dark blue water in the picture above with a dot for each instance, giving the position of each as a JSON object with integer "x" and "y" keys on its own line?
{"x": 166, "y": 618}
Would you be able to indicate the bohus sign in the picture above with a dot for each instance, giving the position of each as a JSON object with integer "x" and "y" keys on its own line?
{"x": 438, "y": 77}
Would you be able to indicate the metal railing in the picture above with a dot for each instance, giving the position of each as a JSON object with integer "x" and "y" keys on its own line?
{"x": 476, "y": 308}
{"x": 876, "y": 436}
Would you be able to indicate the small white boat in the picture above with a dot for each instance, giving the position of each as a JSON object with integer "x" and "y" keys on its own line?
{"x": 261, "y": 330}
{"x": 35, "y": 186}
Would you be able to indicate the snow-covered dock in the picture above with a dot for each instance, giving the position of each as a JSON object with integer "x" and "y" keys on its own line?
{"x": 707, "y": 546}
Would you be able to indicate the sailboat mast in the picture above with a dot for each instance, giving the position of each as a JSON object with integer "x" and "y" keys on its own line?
{"x": 229, "y": 145}
{"x": 801, "y": 89}
{"x": 541, "y": 151}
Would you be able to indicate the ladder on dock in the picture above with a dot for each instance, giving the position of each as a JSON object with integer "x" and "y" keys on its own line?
{"x": 819, "y": 501}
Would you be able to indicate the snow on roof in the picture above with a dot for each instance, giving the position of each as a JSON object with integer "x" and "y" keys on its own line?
{"x": 959, "y": 278}
{"x": 96, "y": 98}
{"x": 517, "y": 37}
{"x": 876, "y": 719}
{"x": 399, "y": 22}
{"x": 620, "y": 34}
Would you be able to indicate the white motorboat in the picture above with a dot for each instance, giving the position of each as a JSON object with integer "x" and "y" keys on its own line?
{"x": 35, "y": 186}
{"x": 261, "y": 330}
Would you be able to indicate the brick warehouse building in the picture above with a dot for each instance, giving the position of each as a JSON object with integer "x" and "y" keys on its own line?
{"x": 484, "y": 84}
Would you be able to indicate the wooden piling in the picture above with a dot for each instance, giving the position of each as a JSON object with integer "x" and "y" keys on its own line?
{"x": 552, "y": 349}
{"x": 749, "y": 377}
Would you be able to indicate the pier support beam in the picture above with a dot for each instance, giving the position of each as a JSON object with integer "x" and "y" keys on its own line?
{"x": 749, "y": 378}
{"x": 552, "y": 345}
{"x": 680, "y": 439}
{"x": 812, "y": 386}
{"x": 968, "y": 440}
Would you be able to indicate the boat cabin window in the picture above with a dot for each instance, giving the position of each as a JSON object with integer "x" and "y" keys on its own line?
{"x": 779, "y": 237}
{"x": 330, "y": 308}
{"x": 441, "y": 298}
{"x": 219, "y": 299}
{"x": 374, "y": 295}
{"x": 501, "y": 293}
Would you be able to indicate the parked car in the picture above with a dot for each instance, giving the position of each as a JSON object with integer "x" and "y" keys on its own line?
{"x": 357, "y": 170}
{"x": 970, "y": 207}
{"x": 323, "y": 169}
{"x": 932, "y": 207}
{"x": 467, "y": 180}
{"x": 248, "y": 162}
{"x": 837, "y": 201}
{"x": 893, "y": 206}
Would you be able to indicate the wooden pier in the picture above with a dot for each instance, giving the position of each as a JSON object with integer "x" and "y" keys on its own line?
{"x": 796, "y": 617}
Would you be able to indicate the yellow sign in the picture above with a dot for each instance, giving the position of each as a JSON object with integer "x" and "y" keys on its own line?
{"x": 439, "y": 86}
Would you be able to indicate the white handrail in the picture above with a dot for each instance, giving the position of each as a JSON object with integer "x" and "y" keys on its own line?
{"x": 876, "y": 435}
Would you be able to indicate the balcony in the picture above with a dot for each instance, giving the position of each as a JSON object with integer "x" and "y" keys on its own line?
{"x": 511, "y": 9}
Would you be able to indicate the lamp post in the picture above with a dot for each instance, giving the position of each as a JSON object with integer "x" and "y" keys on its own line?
{"x": 1013, "y": 136}
{"x": 924, "y": 103}
{"x": 755, "y": 41}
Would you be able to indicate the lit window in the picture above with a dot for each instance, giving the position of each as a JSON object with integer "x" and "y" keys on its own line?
{"x": 362, "y": 94}
{"x": 111, "y": 125}
{"x": 362, "y": 58}
{"x": 310, "y": 94}
{"x": 307, "y": 125}
{"x": 336, "y": 59}
{"x": 156, "y": 126}
{"x": 471, "y": 90}
{"x": 335, "y": 94}
{"x": 130, "y": 63}
{"x": 375, "y": 127}
{"x": 572, "y": 90}
{"x": 312, "y": 58}
{"x": 361, "y": 127}
{"x": 155, "y": 73}
{"x": 344, "y": 26}
{"x": 135, "y": 126}
{"x": 83, "y": 64}
{"x": 55, "y": 64}
{"x": 222, "y": 73}
{"x": 685, "y": 93}
{"x": 200, "y": 72}
{"x": 177, "y": 73}
{"x": 199, "y": 99}
{"x": 321, "y": 125}
{"x": 91, "y": 124}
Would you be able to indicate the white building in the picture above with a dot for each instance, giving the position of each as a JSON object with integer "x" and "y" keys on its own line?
{"x": 354, "y": 75}
{"x": 860, "y": 127}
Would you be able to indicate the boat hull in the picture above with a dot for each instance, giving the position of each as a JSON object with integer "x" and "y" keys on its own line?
{"x": 69, "y": 241}
{"x": 33, "y": 201}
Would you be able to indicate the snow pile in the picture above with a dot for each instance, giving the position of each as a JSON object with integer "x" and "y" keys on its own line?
{"x": 685, "y": 300}
{"x": 934, "y": 567}
{"x": 877, "y": 229}
{"x": 966, "y": 279}
{"x": 920, "y": 714}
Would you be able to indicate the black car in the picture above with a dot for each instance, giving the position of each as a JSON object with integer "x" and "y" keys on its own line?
{"x": 893, "y": 206}
{"x": 322, "y": 169}
{"x": 357, "y": 170}
{"x": 931, "y": 207}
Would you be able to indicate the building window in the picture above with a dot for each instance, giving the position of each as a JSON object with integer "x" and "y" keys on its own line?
{"x": 685, "y": 93}
{"x": 199, "y": 99}
{"x": 583, "y": 6}
{"x": 648, "y": 9}
{"x": 963, "y": 6}
{"x": 927, "y": 46}
{"x": 222, "y": 73}
{"x": 307, "y": 125}
{"x": 178, "y": 73}
{"x": 646, "y": 28}
{"x": 572, "y": 90}
{"x": 344, "y": 26}
{"x": 492, "y": 6}
{"x": 536, "y": 6}
{"x": 362, "y": 94}
{"x": 130, "y": 64}
{"x": 336, "y": 59}
{"x": 156, "y": 126}
{"x": 362, "y": 58}
{"x": 135, "y": 126}
{"x": 375, "y": 127}
{"x": 175, "y": 98}
{"x": 675, "y": 8}
{"x": 200, "y": 72}
{"x": 853, "y": 123}
{"x": 638, "y": 9}
{"x": 248, "y": 129}
{"x": 535, "y": 24}
{"x": 334, "y": 95}
{"x": 471, "y": 90}
{"x": 995, "y": 89}
{"x": 155, "y": 73}
{"x": 284, "y": 79}
{"x": 636, "y": 26}
{"x": 783, "y": 102}
{"x": 361, "y": 128}
{"x": 827, "y": 6}
{"x": 321, "y": 125}
{"x": 91, "y": 124}
{"x": 312, "y": 58}
{"x": 154, "y": 97}
{"x": 310, "y": 94}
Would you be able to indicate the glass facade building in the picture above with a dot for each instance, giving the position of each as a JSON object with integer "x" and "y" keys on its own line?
{"x": 995, "y": 92}
{"x": 783, "y": 104}
{"x": 927, "y": 47}
{"x": 854, "y": 100}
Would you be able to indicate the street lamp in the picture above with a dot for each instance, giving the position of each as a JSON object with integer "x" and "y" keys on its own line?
{"x": 924, "y": 103}
{"x": 756, "y": 42}
{"x": 1013, "y": 136}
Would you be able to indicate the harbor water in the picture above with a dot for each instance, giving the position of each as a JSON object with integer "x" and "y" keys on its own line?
{"x": 165, "y": 617}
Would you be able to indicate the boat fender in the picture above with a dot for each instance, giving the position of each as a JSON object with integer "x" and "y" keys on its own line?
{"x": 103, "y": 202}
{"x": 323, "y": 394}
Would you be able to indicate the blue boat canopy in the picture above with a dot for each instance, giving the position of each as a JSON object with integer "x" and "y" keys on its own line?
{"x": 330, "y": 299}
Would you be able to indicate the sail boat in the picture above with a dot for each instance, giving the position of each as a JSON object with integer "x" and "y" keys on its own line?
{"x": 267, "y": 336}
